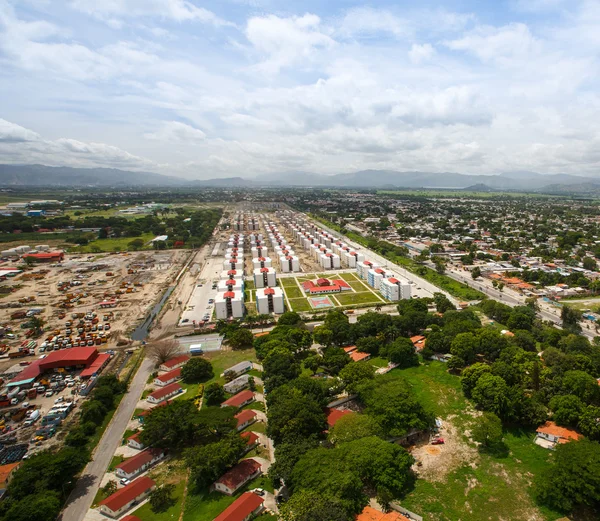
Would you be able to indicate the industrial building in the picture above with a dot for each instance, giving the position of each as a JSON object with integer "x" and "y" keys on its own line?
{"x": 394, "y": 288}
{"x": 229, "y": 304}
{"x": 265, "y": 278}
{"x": 86, "y": 358}
{"x": 269, "y": 300}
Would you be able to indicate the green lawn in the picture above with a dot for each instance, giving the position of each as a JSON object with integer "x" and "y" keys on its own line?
{"x": 256, "y": 427}
{"x": 202, "y": 506}
{"x": 292, "y": 292}
{"x": 347, "y": 299}
{"x": 257, "y": 406}
{"x": 192, "y": 391}
{"x": 349, "y": 277}
{"x": 146, "y": 514}
{"x": 288, "y": 282}
{"x": 116, "y": 460}
{"x": 249, "y": 284}
{"x": 300, "y": 304}
{"x": 484, "y": 485}
{"x": 358, "y": 286}
{"x": 378, "y": 361}
{"x": 222, "y": 360}
{"x": 114, "y": 244}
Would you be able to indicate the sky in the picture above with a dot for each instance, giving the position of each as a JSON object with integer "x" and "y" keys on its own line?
{"x": 206, "y": 89}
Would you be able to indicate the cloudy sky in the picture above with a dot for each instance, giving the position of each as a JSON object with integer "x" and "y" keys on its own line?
{"x": 217, "y": 88}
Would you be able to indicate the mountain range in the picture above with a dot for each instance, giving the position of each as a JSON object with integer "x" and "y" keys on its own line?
{"x": 41, "y": 175}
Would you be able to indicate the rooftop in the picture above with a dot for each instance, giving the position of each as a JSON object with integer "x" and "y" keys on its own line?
{"x": 241, "y": 508}
{"x": 128, "y": 493}
{"x": 238, "y": 475}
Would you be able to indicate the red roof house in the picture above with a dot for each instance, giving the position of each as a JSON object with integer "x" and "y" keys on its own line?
{"x": 252, "y": 439}
{"x": 243, "y": 508}
{"x": 239, "y": 400}
{"x": 168, "y": 377}
{"x": 164, "y": 393}
{"x": 245, "y": 418}
{"x": 139, "y": 463}
{"x": 238, "y": 476}
{"x": 123, "y": 499}
{"x": 174, "y": 363}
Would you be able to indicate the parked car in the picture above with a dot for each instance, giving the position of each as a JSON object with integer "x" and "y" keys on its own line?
{"x": 125, "y": 481}
{"x": 438, "y": 441}
{"x": 49, "y": 393}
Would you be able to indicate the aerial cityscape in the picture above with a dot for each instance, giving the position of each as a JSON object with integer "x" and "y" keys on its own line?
{"x": 299, "y": 261}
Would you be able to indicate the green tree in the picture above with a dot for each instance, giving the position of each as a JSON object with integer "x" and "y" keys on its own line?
{"x": 323, "y": 336}
{"x": 38, "y": 507}
{"x": 354, "y": 374}
{"x": 566, "y": 409}
{"x": 476, "y": 273}
{"x": 442, "y": 303}
{"x": 487, "y": 429}
{"x": 290, "y": 318}
{"x": 491, "y": 394}
{"x": 214, "y": 394}
{"x": 573, "y": 479}
{"x": 197, "y": 370}
{"x": 310, "y": 505}
{"x": 570, "y": 319}
{"x": 471, "y": 375}
{"x": 589, "y": 422}
{"x": 241, "y": 339}
{"x": 334, "y": 359}
{"x": 582, "y": 385}
{"x": 93, "y": 411}
{"x": 173, "y": 426}
{"x": 401, "y": 352}
{"x": 353, "y": 427}
{"x": 465, "y": 347}
{"x": 313, "y": 362}
{"x": 161, "y": 498}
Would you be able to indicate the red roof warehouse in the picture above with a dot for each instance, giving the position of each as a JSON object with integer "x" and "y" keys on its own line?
{"x": 52, "y": 256}
{"x": 74, "y": 357}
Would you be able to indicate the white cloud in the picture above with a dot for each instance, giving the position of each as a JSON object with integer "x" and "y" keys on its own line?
{"x": 420, "y": 53}
{"x": 177, "y": 132}
{"x": 490, "y": 43}
{"x": 177, "y": 10}
{"x": 13, "y": 133}
{"x": 283, "y": 42}
{"x": 365, "y": 22}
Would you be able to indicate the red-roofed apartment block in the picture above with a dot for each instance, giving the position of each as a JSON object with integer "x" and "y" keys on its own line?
{"x": 238, "y": 476}
{"x": 122, "y": 500}
{"x": 246, "y": 507}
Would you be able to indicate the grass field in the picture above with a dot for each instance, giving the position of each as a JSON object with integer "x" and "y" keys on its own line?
{"x": 114, "y": 244}
{"x": 292, "y": 292}
{"x": 204, "y": 506}
{"x": 145, "y": 511}
{"x": 349, "y": 277}
{"x": 288, "y": 282}
{"x": 482, "y": 484}
{"x": 358, "y": 286}
{"x": 349, "y": 299}
{"x": 222, "y": 360}
{"x": 300, "y": 304}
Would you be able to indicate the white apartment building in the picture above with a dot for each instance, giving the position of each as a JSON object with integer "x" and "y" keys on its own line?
{"x": 229, "y": 304}
{"x": 237, "y": 265}
{"x": 230, "y": 285}
{"x": 363, "y": 267}
{"x": 265, "y": 278}
{"x": 261, "y": 262}
{"x": 330, "y": 261}
{"x": 289, "y": 263}
{"x": 269, "y": 300}
{"x": 395, "y": 288}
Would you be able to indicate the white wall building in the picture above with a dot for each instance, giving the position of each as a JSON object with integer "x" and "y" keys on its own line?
{"x": 229, "y": 304}
{"x": 362, "y": 268}
{"x": 261, "y": 262}
{"x": 330, "y": 261}
{"x": 231, "y": 274}
{"x": 289, "y": 264}
{"x": 265, "y": 278}
{"x": 236, "y": 265}
{"x": 395, "y": 288}
{"x": 230, "y": 285}
{"x": 269, "y": 300}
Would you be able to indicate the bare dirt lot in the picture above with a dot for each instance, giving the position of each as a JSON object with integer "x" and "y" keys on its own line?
{"x": 132, "y": 281}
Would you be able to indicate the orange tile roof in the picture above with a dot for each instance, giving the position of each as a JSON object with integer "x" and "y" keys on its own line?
{"x": 370, "y": 514}
{"x": 358, "y": 357}
{"x": 561, "y": 432}
{"x": 5, "y": 471}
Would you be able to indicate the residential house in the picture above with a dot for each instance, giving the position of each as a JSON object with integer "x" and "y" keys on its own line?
{"x": 239, "y": 369}
{"x": 549, "y": 435}
{"x": 174, "y": 363}
{"x": 139, "y": 463}
{"x": 236, "y": 477}
{"x": 418, "y": 341}
{"x": 6, "y": 473}
{"x": 130, "y": 495}
{"x": 355, "y": 355}
{"x": 164, "y": 393}
{"x": 235, "y": 386}
{"x": 134, "y": 441}
{"x": 244, "y": 508}
{"x": 168, "y": 378}
{"x": 245, "y": 418}
{"x": 252, "y": 440}
{"x": 239, "y": 400}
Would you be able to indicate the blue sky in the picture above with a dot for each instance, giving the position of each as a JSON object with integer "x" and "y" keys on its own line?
{"x": 203, "y": 89}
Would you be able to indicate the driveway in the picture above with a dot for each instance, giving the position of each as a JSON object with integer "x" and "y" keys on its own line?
{"x": 85, "y": 490}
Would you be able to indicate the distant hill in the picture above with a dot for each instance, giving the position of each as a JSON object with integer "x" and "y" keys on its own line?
{"x": 40, "y": 175}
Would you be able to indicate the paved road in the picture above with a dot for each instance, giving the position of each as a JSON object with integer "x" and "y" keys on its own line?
{"x": 83, "y": 495}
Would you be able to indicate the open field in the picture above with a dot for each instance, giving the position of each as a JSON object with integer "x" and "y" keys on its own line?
{"x": 300, "y": 305}
{"x": 292, "y": 292}
{"x": 224, "y": 359}
{"x": 350, "y": 298}
{"x": 462, "y": 483}
{"x": 114, "y": 244}
{"x": 289, "y": 282}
